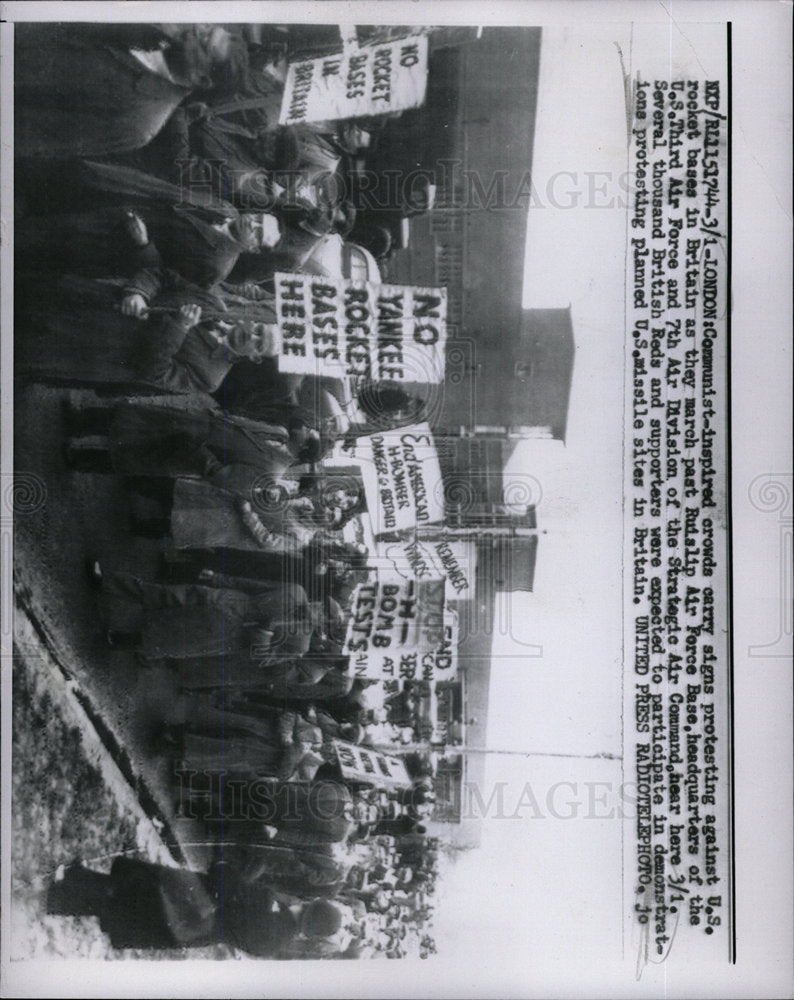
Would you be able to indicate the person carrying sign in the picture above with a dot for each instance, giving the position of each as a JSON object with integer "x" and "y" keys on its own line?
{"x": 177, "y": 622}
{"x": 146, "y": 229}
{"x": 145, "y": 905}
{"x": 217, "y": 741}
{"x": 186, "y": 343}
{"x": 160, "y": 438}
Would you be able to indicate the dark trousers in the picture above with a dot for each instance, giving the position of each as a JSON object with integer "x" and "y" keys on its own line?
{"x": 86, "y": 421}
{"x": 80, "y": 893}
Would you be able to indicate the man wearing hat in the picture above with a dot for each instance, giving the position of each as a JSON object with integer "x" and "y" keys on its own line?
{"x": 327, "y": 929}
{"x": 149, "y": 229}
{"x": 187, "y": 343}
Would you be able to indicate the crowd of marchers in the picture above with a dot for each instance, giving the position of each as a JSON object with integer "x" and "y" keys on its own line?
{"x": 156, "y": 196}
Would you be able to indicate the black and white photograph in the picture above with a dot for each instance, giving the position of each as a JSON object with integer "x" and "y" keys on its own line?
{"x": 396, "y": 499}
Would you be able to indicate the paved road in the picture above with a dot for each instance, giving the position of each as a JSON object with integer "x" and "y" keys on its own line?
{"x": 74, "y": 517}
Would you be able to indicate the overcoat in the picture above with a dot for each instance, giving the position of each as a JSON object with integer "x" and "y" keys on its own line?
{"x": 177, "y": 621}
{"x": 76, "y": 334}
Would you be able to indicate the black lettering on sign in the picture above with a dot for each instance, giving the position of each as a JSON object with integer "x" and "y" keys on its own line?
{"x": 409, "y": 56}
{"x": 381, "y": 75}
{"x": 356, "y": 76}
{"x": 291, "y": 289}
{"x": 426, "y": 307}
{"x": 300, "y": 91}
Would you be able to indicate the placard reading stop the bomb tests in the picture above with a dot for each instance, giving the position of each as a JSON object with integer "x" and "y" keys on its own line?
{"x": 397, "y": 629}
{"x": 393, "y": 333}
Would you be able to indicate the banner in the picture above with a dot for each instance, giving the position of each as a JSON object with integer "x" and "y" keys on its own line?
{"x": 393, "y": 333}
{"x": 442, "y": 663}
{"x": 426, "y": 559}
{"x": 393, "y": 625}
{"x": 401, "y": 479}
{"x": 439, "y": 664}
{"x": 371, "y": 80}
{"x": 360, "y": 764}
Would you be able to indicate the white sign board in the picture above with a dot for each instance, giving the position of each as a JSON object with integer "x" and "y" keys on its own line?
{"x": 393, "y": 333}
{"x": 442, "y": 663}
{"x": 361, "y": 764}
{"x": 393, "y": 624}
{"x": 402, "y": 479}
{"x": 425, "y": 559}
{"x": 371, "y": 80}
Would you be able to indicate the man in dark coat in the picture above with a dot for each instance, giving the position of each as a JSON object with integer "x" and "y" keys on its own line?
{"x": 177, "y": 622}
{"x": 77, "y": 334}
{"x": 145, "y": 905}
{"x": 149, "y": 227}
{"x": 321, "y": 567}
{"x": 75, "y": 97}
{"x": 162, "y": 438}
{"x": 267, "y": 681}
{"x": 99, "y": 89}
{"x": 204, "y": 149}
{"x": 304, "y": 815}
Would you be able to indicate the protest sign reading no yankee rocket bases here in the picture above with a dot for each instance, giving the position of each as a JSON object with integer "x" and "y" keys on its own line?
{"x": 388, "y": 332}
{"x": 371, "y": 80}
{"x": 402, "y": 479}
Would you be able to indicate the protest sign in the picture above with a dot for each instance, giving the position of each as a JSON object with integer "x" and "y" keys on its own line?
{"x": 361, "y": 764}
{"x": 393, "y": 623}
{"x": 370, "y": 80}
{"x": 393, "y": 333}
{"x": 424, "y": 559}
{"x": 441, "y": 663}
{"x": 401, "y": 479}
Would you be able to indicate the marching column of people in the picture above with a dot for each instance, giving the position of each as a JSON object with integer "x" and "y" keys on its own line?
{"x": 151, "y": 215}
